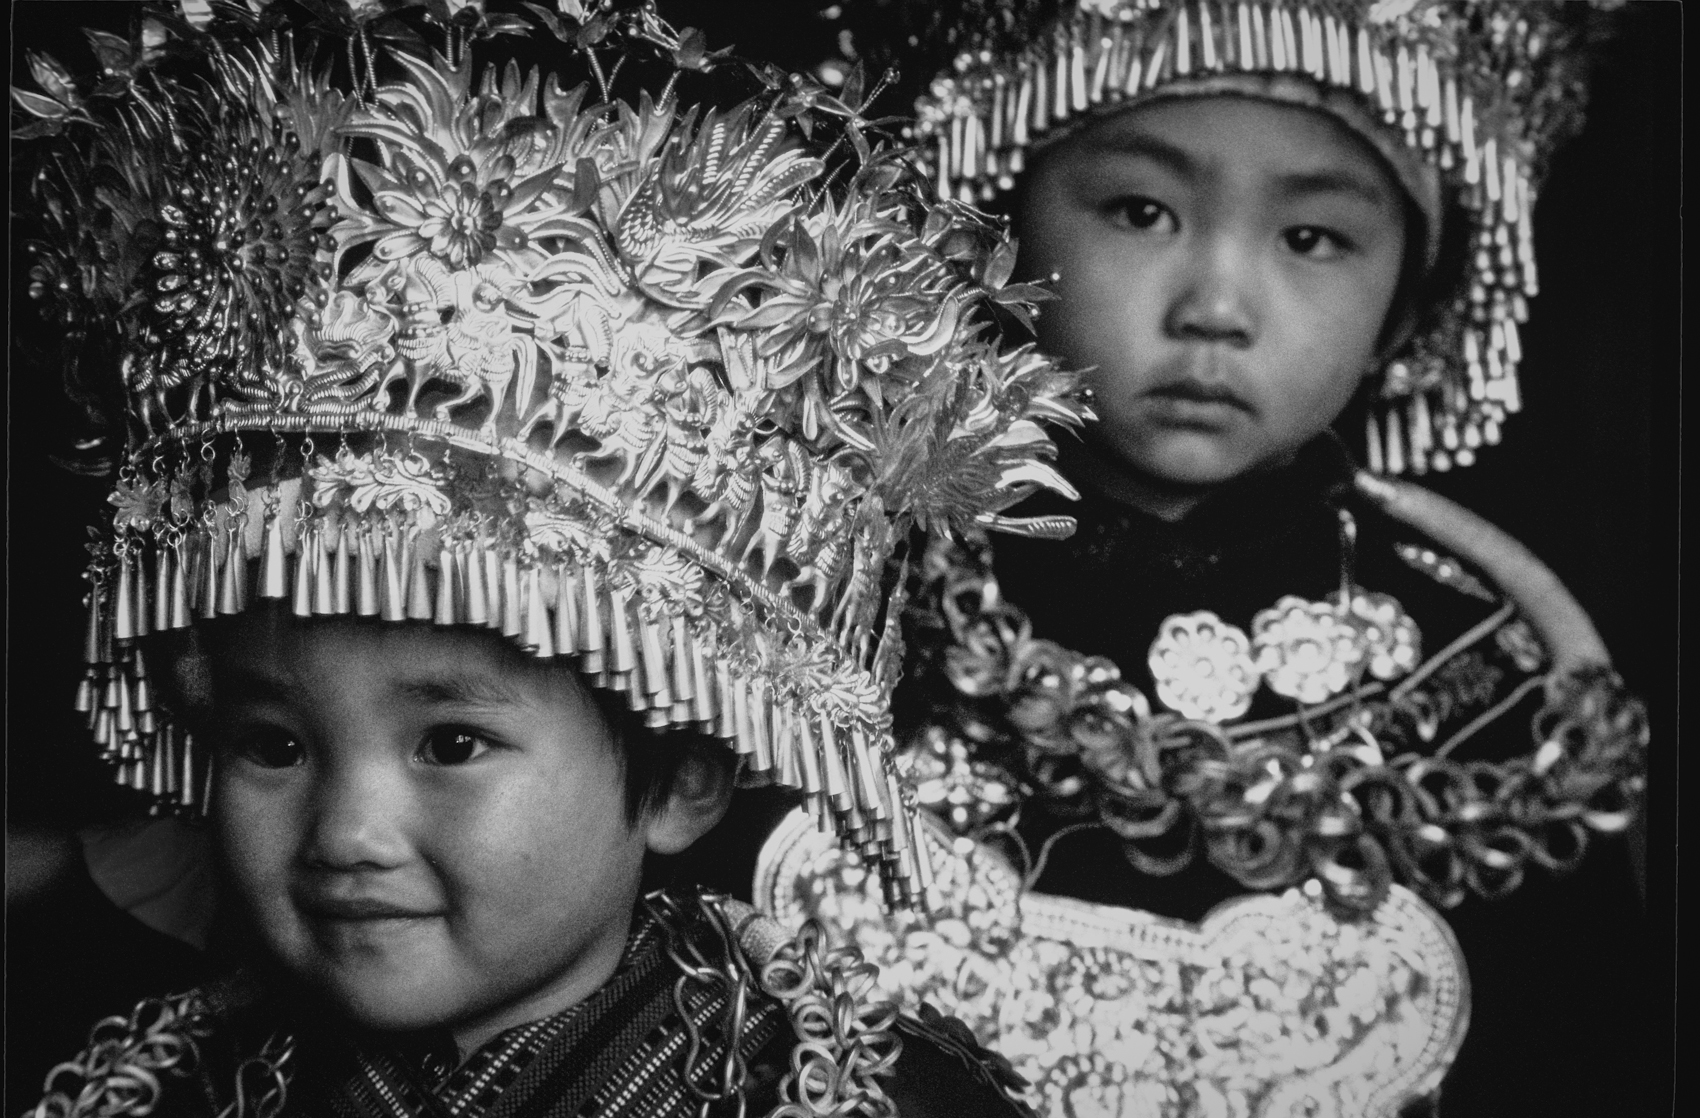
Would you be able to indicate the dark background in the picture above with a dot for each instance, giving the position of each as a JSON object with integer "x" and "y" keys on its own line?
{"x": 1587, "y": 475}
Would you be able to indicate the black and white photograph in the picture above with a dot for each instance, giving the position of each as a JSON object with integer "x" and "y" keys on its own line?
{"x": 860, "y": 559}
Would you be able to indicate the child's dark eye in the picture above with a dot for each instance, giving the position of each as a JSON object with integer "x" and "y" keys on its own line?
{"x": 452, "y": 745}
{"x": 1146, "y": 214}
{"x": 269, "y": 749}
{"x": 1315, "y": 242}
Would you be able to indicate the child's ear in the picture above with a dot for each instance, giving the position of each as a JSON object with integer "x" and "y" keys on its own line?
{"x": 699, "y": 795}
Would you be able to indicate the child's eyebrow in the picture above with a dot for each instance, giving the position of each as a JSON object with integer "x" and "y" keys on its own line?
{"x": 1139, "y": 144}
{"x": 1289, "y": 185}
{"x": 251, "y": 686}
{"x": 460, "y": 690}
{"x": 1300, "y": 183}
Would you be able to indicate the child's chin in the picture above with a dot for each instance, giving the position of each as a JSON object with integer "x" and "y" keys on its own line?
{"x": 1191, "y": 459}
{"x": 390, "y": 1003}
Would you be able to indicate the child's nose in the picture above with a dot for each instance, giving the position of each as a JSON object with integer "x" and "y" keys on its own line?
{"x": 358, "y": 820}
{"x": 1214, "y": 301}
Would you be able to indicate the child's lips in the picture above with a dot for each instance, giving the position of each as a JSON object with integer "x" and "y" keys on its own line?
{"x": 1196, "y": 402}
{"x": 362, "y": 909}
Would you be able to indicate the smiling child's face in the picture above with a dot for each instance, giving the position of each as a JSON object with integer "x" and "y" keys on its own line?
{"x": 425, "y": 827}
{"x": 1226, "y": 269}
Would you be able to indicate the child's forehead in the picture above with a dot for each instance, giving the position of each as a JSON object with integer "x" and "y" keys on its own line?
{"x": 427, "y": 662}
{"x": 1221, "y": 135}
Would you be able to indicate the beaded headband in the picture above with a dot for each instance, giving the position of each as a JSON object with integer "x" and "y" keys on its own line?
{"x": 630, "y": 383}
{"x": 1480, "y": 91}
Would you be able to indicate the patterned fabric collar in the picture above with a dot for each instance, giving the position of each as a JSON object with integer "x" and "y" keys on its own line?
{"x": 600, "y": 1055}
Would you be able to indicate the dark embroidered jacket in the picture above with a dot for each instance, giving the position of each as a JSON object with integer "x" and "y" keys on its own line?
{"x": 1552, "y": 960}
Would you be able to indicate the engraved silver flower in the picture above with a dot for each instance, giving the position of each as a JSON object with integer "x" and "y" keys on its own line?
{"x": 1203, "y": 667}
{"x": 1306, "y": 650}
{"x": 1389, "y": 639}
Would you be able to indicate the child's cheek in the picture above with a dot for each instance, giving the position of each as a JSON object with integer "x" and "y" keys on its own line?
{"x": 259, "y": 833}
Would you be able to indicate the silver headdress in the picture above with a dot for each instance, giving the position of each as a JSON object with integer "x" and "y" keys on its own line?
{"x": 445, "y": 343}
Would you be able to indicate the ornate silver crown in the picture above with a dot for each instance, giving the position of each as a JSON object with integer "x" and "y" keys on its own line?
{"x": 632, "y": 383}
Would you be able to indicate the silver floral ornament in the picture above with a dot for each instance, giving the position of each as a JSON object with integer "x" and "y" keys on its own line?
{"x": 1306, "y": 650}
{"x": 1203, "y": 667}
{"x": 1390, "y": 641}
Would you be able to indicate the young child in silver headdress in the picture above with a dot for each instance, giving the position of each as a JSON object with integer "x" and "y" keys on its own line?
{"x": 1258, "y": 666}
{"x": 505, "y": 468}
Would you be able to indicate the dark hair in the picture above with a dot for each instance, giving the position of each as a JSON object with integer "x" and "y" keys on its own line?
{"x": 649, "y": 758}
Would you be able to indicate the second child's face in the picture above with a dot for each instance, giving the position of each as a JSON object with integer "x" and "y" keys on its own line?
{"x": 1226, "y": 267}
{"x": 425, "y": 827}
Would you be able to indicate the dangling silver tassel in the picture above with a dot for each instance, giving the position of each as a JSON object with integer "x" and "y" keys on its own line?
{"x": 274, "y": 568}
{"x": 1467, "y": 141}
{"x": 622, "y": 657}
{"x": 162, "y": 579}
{"x": 787, "y": 770}
{"x": 180, "y": 610}
{"x": 726, "y": 720}
{"x": 244, "y": 583}
{"x": 1289, "y": 37}
{"x": 832, "y": 768}
{"x": 706, "y": 709}
{"x": 1395, "y": 442}
{"x": 744, "y": 735}
{"x": 919, "y": 860}
{"x": 91, "y": 626}
{"x": 448, "y": 578}
{"x": 188, "y": 787}
{"x": 418, "y": 582}
{"x": 142, "y": 606}
{"x": 156, "y": 773}
{"x": 1207, "y": 39}
{"x": 231, "y": 571}
{"x": 590, "y": 639}
{"x": 636, "y": 700}
{"x": 869, "y": 792}
{"x": 103, "y": 734}
{"x": 210, "y": 571}
{"x": 761, "y": 712}
{"x": 123, "y": 600}
{"x": 193, "y": 559}
{"x": 654, "y": 661}
{"x": 683, "y": 677}
{"x": 1183, "y": 41}
{"x": 173, "y": 771}
{"x": 228, "y": 600}
{"x": 308, "y": 560}
{"x": 142, "y": 688}
{"x": 808, "y": 753}
{"x": 1155, "y": 66}
{"x": 513, "y": 616}
{"x": 85, "y": 700}
{"x": 125, "y": 721}
{"x": 492, "y": 568}
{"x": 1372, "y": 443}
{"x": 392, "y": 590}
{"x": 477, "y": 604}
{"x": 336, "y": 592}
{"x": 537, "y": 628}
{"x": 566, "y": 610}
{"x": 366, "y": 564}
